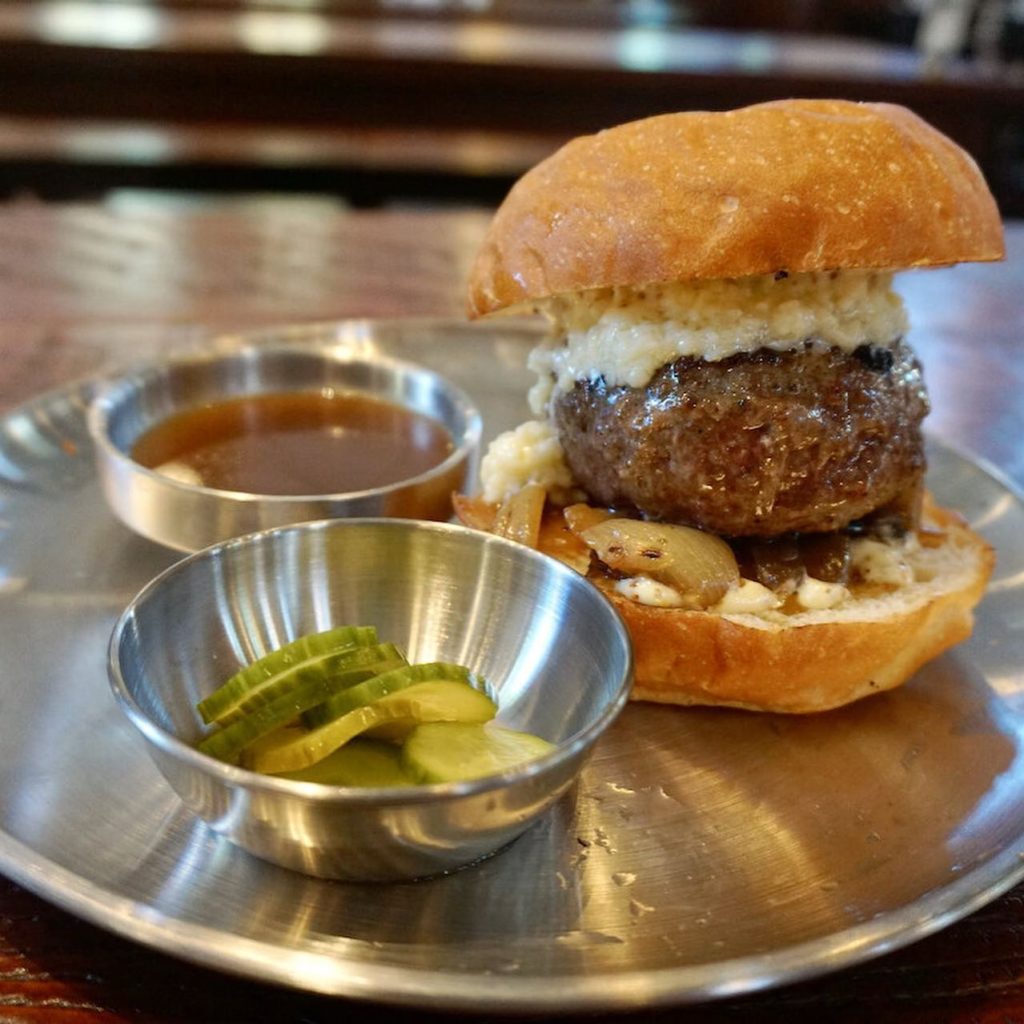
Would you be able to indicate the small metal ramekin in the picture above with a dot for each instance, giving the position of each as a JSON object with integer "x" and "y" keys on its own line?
{"x": 552, "y": 647}
{"x": 187, "y": 517}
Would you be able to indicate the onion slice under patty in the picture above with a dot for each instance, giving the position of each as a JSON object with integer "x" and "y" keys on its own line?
{"x": 699, "y": 566}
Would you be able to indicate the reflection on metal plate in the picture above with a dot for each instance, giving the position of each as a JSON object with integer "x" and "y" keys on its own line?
{"x": 704, "y": 853}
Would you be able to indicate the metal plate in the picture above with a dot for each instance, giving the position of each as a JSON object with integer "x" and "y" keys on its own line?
{"x": 705, "y": 853}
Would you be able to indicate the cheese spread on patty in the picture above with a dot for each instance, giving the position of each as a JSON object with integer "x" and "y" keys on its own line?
{"x": 625, "y": 334}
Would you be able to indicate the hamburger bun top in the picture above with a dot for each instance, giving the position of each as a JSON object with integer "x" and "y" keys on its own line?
{"x": 793, "y": 185}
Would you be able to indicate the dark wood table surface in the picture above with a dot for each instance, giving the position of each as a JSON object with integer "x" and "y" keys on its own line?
{"x": 84, "y": 287}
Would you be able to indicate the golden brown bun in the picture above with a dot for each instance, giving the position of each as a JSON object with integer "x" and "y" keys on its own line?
{"x": 813, "y": 661}
{"x": 795, "y": 185}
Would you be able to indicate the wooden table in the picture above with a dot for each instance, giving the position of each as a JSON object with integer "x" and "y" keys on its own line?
{"x": 84, "y": 287}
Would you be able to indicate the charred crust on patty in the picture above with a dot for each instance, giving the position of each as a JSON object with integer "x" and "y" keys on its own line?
{"x": 758, "y": 444}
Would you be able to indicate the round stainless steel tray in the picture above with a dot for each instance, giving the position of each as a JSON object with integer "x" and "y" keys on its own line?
{"x": 705, "y": 853}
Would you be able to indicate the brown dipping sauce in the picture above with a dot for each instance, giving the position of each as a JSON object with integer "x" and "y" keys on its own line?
{"x": 295, "y": 443}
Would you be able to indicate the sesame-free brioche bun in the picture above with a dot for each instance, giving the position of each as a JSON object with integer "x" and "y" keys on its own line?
{"x": 792, "y": 185}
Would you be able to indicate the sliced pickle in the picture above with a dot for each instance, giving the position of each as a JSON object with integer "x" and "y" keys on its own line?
{"x": 348, "y": 668}
{"x": 228, "y": 742}
{"x": 341, "y": 669}
{"x": 699, "y": 566}
{"x": 360, "y": 762}
{"x": 456, "y": 751}
{"x": 440, "y": 700}
{"x": 382, "y": 685}
{"x": 255, "y": 681}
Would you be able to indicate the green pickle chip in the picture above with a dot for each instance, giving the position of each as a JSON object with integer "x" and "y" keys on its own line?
{"x": 360, "y": 762}
{"x": 442, "y": 700}
{"x": 458, "y": 751}
{"x": 264, "y": 679}
{"x": 381, "y": 686}
{"x": 339, "y": 708}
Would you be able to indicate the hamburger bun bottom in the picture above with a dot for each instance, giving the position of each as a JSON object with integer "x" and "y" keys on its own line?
{"x": 811, "y": 661}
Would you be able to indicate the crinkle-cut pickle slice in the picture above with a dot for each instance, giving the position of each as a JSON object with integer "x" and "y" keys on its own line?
{"x": 439, "y": 700}
{"x": 457, "y": 751}
{"x": 360, "y": 762}
{"x": 248, "y": 686}
{"x": 380, "y": 686}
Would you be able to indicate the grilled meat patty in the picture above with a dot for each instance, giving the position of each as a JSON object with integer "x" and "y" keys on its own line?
{"x": 758, "y": 444}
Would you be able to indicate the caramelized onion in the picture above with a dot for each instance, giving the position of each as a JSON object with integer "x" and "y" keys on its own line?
{"x": 699, "y": 566}
{"x": 558, "y": 540}
{"x": 518, "y": 517}
{"x": 782, "y": 564}
{"x": 775, "y": 564}
{"x": 826, "y": 556}
{"x": 581, "y": 516}
{"x": 475, "y": 513}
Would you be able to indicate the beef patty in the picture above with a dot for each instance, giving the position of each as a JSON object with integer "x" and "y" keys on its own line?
{"x": 759, "y": 444}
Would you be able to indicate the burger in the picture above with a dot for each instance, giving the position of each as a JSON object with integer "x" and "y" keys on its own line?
{"x": 726, "y": 434}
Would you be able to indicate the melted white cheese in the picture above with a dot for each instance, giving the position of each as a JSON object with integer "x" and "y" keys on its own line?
{"x": 644, "y": 590}
{"x": 747, "y": 597}
{"x": 875, "y": 561}
{"x": 817, "y": 595}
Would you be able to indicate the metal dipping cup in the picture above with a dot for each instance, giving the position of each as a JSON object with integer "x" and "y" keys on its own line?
{"x": 552, "y": 647}
{"x": 188, "y": 517}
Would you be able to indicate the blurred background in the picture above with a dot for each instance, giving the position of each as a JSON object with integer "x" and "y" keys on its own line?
{"x": 427, "y": 102}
